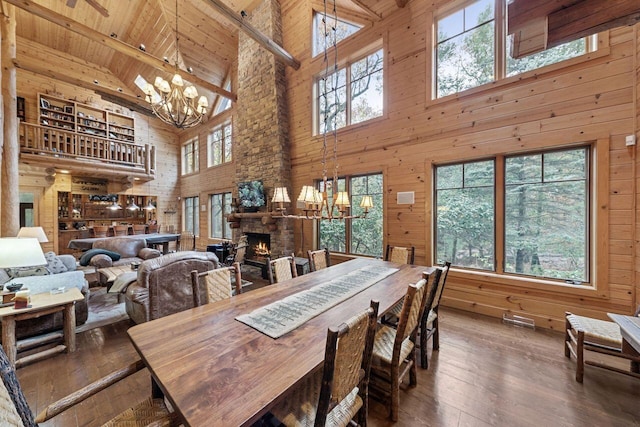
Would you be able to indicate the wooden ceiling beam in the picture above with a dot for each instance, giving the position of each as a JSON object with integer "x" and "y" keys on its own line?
{"x": 367, "y": 9}
{"x": 115, "y": 44}
{"x": 254, "y": 33}
{"x": 132, "y": 102}
{"x": 542, "y": 24}
{"x": 97, "y": 6}
{"x": 589, "y": 17}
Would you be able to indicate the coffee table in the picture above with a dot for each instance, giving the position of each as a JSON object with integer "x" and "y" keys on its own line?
{"x": 41, "y": 304}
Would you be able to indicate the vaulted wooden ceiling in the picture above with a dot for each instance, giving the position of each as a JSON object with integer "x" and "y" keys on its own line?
{"x": 105, "y": 34}
{"x": 208, "y": 40}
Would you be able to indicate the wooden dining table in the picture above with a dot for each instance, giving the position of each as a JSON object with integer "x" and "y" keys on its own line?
{"x": 217, "y": 371}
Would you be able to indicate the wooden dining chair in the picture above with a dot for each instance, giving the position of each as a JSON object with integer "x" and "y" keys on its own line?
{"x": 281, "y": 269}
{"x": 100, "y": 230}
{"x": 16, "y": 411}
{"x": 394, "y": 349}
{"x": 153, "y": 228}
{"x": 319, "y": 259}
{"x": 337, "y": 394}
{"x": 400, "y": 254}
{"x": 429, "y": 320}
{"x": 216, "y": 285}
{"x": 187, "y": 241}
{"x": 139, "y": 228}
{"x": 120, "y": 230}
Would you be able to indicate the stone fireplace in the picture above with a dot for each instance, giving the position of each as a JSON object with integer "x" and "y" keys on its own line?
{"x": 262, "y": 146}
{"x": 259, "y": 245}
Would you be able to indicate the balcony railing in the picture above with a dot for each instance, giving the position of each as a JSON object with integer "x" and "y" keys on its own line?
{"x": 69, "y": 147}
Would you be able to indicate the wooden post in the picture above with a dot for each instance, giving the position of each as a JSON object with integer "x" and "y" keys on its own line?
{"x": 9, "y": 210}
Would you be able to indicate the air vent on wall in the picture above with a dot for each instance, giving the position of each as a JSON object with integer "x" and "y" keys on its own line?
{"x": 406, "y": 198}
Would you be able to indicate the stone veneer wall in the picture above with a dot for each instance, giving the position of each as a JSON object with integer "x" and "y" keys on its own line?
{"x": 262, "y": 126}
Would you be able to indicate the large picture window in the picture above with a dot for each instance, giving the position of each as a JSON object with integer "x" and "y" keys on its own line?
{"x": 190, "y": 156}
{"x": 356, "y": 236}
{"x": 219, "y": 143}
{"x": 544, "y": 198}
{"x": 467, "y": 54}
{"x": 192, "y": 215}
{"x": 220, "y": 208}
{"x": 352, "y": 94}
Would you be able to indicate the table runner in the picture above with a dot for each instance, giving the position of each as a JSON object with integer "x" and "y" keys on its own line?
{"x": 285, "y": 315}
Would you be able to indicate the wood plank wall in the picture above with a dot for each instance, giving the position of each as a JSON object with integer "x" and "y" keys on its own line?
{"x": 147, "y": 130}
{"x": 583, "y": 100}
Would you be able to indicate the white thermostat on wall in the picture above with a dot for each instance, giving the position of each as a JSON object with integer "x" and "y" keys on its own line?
{"x": 406, "y": 197}
{"x": 203, "y": 208}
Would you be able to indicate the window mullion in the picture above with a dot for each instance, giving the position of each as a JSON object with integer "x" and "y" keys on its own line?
{"x": 499, "y": 190}
{"x": 347, "y": 79}
{"x": 500, "y": 39}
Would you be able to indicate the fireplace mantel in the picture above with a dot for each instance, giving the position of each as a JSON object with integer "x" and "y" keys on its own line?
{"x": 267, "y": 218}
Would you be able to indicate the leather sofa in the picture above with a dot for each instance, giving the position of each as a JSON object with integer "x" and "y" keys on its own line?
{"x": 38, "y": 284}
{"x": 130, "y": 250}
{"x": 163, "y": 286}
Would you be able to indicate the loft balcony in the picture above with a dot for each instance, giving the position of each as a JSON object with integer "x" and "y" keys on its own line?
{"x": 84, "y": 154}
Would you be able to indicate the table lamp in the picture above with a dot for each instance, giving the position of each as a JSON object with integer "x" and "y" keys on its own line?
{"x": 20, "y": 252}
{"x": 36, "y": 232}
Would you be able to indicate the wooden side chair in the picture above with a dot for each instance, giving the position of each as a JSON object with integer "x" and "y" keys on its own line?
{"x": 153, "y": 228}
{"x": 429, "y": 320}
{"x": 139, "y": 228}
{"x": 100, "y": 230}
{"x": 187, "y": 241}
{"x": 281, "y": 269}
{"x": 16, "y": 412}
{"x": 319, "y": 259}
{"x": 400, "y": 254}
{"x": 337, "y": 394}
{"x": 120, "y": 230}
{"x": 600, "y": 336}
{"x": 394, "y": 348}
{"x": 218, "y": 284}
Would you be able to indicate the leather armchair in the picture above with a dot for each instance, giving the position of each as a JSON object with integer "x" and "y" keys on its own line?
{"x": 130, "y": 250}
{"x": 163, "y": 286}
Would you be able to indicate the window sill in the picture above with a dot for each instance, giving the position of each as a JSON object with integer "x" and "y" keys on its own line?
{"x": 526, "y": 283}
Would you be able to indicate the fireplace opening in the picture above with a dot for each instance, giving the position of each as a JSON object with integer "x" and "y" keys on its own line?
{"x": 258, "y": 246}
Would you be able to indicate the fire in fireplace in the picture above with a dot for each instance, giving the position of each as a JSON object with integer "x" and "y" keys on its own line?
{"x": 259, "y": 246}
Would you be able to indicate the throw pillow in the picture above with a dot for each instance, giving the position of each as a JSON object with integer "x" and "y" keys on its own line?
{"x": 14, "y": 272}
{"x": 86, "y": 257}
{"x": 54, "y": 265}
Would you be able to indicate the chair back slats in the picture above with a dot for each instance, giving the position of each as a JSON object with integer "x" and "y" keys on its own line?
{"x": 139, "y": 228}
{"x": 14, "y": 410}
{"x": 400, "y": 254}
{"x": 217, "y": 284}
{"x": 100, "y": 230}
{"x": 347, "y": 361}
{"x": 319, "y": 259}
{"x": 120, "y": 230}
{"x": 281, "y": 269}
{"x": 411, "y": 310}
{"x": 435, "y": 301}
{"x": 187, "y": 241}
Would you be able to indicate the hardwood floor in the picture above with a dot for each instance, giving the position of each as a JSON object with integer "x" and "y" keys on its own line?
{"x": 485, "y": 373}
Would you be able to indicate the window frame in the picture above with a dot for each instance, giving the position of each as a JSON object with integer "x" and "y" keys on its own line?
{"x": 371, "y": 49}
{"x": 190, "y": 147}
{"x": 348, "y": 234}
{"x": 224, "y": 225}
{"x": 598, "y": 234}
{"x": 226, "y": 155}
{"x": 597, "y": 45}
{"x": 194, "y": 226}
{"x": 315, "y": 35}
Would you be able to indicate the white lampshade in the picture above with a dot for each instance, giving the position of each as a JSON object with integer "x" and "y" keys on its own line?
{"x": 177, "y": 80}
{"x": 307, "y": 194}
{"x": 149, "y": 206}
{"x": 366, "y": 202}
{"x": 20, "y": 252}
{"x": 34, "y": 232}
{"x": 280, "y": 195}
{"x": 342, "y": 201}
